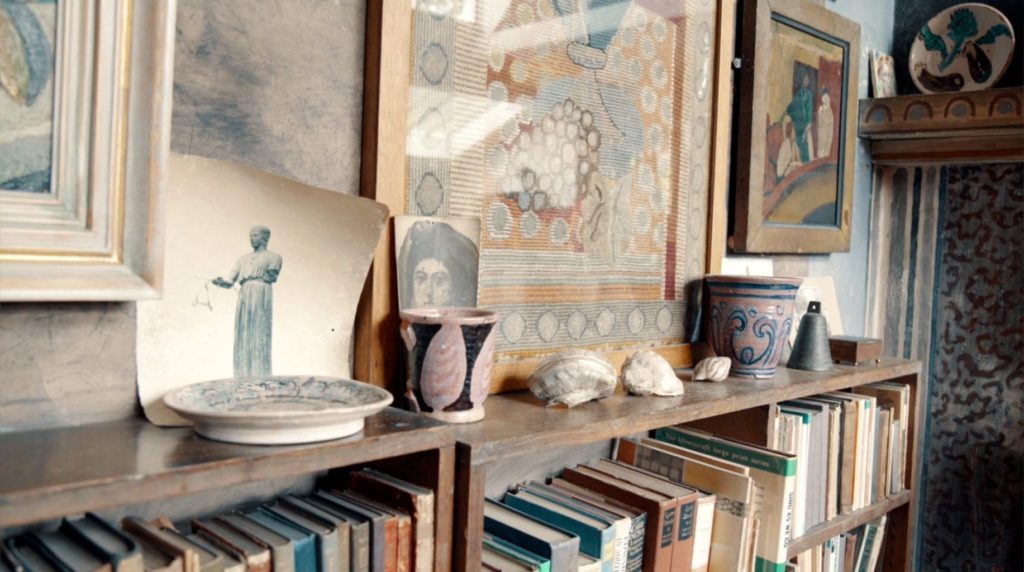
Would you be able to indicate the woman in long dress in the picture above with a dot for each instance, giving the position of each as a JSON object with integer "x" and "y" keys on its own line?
{"x": 255, "y": 273}
{"x": 826, "y": 126}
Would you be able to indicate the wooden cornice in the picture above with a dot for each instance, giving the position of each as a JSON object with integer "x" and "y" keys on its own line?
{"x": 981, "y": 125}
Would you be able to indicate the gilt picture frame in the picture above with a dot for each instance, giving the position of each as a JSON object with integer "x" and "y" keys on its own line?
{"x": 412, "y": 80}
{"x": 93, "y": 231}
{"x": 796, "y": 129}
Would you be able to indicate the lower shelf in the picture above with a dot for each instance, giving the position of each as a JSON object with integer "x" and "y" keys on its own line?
{"x": 840, "y": 524}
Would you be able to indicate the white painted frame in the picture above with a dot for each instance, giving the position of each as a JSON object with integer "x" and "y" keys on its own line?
{"x": 98, "y": 234}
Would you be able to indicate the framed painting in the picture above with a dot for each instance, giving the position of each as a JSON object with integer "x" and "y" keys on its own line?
{"x": 796, "y": 128}
{"x": 85, "y": 98}
{"x": 581, "y": 135}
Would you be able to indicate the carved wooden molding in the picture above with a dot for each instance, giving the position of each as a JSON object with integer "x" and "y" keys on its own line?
{"x": 994, "y": 111}
{"x": 945, "y": 127}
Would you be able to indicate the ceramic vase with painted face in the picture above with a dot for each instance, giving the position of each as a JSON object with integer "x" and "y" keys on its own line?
{"x": 450, "y": 354}
{"x": 749, "y": 319}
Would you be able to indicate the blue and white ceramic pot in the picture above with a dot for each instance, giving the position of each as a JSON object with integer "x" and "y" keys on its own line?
{"x": 749, "y": 319}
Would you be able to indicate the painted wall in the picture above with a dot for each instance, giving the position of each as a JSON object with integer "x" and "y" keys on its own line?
{"x": 912, "y": 14}
{"x": 273, "y": 83}
{"x": 849, "y": 269}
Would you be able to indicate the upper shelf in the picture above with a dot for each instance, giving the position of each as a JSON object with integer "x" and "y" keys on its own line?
{"x": 519, "y": 423}
{"x": 51, "y": 473}
{"x": 998, "y": 112}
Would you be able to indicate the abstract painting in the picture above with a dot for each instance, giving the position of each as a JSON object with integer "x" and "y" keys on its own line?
{"x": 27, "y": 32}
{"x": 799, "y": 92}
{"x": 263, "y": 276}
{"x": 578, "y": 132}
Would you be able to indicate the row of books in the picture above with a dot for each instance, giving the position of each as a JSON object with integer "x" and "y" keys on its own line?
{"x": 380, "y": 524}
{"x": 850, "y": 449}
{"x": 855, "y": 551}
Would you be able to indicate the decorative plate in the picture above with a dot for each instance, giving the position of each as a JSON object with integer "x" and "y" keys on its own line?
{"x": 963, "y": 48}
{"x": 278, "y": 410}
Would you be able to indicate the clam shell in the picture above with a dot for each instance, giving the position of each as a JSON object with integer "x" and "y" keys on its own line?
{"x": 712, "y": 369}
{"x": 572, "y": 377}
{"x": 647, "y": 373}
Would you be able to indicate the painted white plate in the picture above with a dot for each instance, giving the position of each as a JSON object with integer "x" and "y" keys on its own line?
{"x": 278, "y": 410}
{"x": 963, "y": 48}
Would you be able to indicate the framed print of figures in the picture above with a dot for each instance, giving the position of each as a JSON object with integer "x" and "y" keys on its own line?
{"x": 85, "y": 96}
{"x": 580, "y": 133}
{"x": 797, "y": 123}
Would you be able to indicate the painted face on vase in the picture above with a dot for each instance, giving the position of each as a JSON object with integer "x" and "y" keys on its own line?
{"x": 431, "y": 283}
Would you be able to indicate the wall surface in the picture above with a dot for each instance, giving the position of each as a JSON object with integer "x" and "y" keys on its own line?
{"x": 912, "y": 14}
{"x": 276, "y": 84}
{"x": 849, "y": 269}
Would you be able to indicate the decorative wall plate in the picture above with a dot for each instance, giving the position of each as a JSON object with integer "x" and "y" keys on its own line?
{"x": 966, "y": 47}
{"x": 278, "y": 410}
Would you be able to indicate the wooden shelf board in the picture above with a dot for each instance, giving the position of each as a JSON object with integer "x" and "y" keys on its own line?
{"x": 519, "y": 423}
{"x": 991, "y": 113}
{"x": 51, "y": 473}
{"x": 819, "y": 534}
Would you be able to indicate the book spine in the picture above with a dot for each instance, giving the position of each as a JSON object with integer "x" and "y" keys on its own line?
{"x": 622, "y": 534}
{"x": 637, "y": 533}
{"x": 682, "y": 551}
{"x": 702, "y": 534}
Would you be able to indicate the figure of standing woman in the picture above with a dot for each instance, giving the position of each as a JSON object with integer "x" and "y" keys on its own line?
{"x": 255, "y": 273}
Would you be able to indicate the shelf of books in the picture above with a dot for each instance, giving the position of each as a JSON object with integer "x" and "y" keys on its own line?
{"x": 801, "y": 471}
{"x": 64, "y": 472}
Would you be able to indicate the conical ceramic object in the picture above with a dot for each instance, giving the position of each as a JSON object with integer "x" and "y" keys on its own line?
{"x": 811, "y": 351}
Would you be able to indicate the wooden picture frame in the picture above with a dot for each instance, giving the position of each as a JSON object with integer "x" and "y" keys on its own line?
{"x": 794, "y": 172}
{"x": 389, "y": 62}
{"x": 96, "y": 234}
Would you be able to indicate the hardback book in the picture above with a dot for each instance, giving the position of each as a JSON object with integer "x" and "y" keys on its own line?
{"x": 661, "y": 512}
{"x": 703, "y": 524}
{"x": 415, "y": 500}
{"x": 850, "y": 540}
{"x": 864, "y": 413}
{"x": 817, "y": 464}
{"x": 588, "y": 564}
{"x": 884, "y": 457}
{"x": 232, "y": 563}
{"x": 597, "y": 536}
{"x": 255, "y": 556}
{"x": 801, "y": 447}
{"x": 105, "y": 540}
{"x": 497, "y": 560}
{"x": 332, "y": 549}
{"x": 557, "y": 545}
{"x": 403, "y": 527}
{"x": 65, "y": 553}
{"x": 830, "y": 479}
{"x": 637, "y": 519}
{"x": 282, "y": 551}
{"x": 731, "y": 532}
{"x": 396, "y": 520}
{"x": 383, "y": 539}
{"x": 620, "y": 523}
{"x": 519, "y": 554}
{"x": 303, "y": 541}
{"x": 871, "y": 545}
{"x": 209, "y": 561}
{"x": 348, "y": 525}
{"x": 896, "y": 396}
{"x": 774, "y": 475}
{"x": 29, "y": 558}
{"x": 170, "y": 544}
{"x": 682, "y": 548}
{"x": 847, "y": 447}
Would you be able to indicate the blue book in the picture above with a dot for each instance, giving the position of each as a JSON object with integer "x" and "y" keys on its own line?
{"x": 303, "y": 541}
{"x": 559, "y": 546}
{"x": 597, "y": 537}
{"x": 519, "y": 554}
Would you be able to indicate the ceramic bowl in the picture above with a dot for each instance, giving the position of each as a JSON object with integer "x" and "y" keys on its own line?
{"x": 278, "y": 410}
{"x": 966, "y": 47}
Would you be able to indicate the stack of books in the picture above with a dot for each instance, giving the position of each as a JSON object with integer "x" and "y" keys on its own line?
{"x": 854, "y": 551}
{"x": 850, "y": 449}
{"x": 607, "y": 516}
{"x": 380, "y": 524}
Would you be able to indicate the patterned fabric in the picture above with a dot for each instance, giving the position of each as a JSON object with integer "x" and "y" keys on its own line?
{"x": 578, "y": 132}
{"x": 948, "y": 285}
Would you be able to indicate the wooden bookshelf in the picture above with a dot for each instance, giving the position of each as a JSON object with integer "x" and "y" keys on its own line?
{"x": 518, "y": 428}
{"x": 819, "y": 534}
{"x": 53, "y": 473}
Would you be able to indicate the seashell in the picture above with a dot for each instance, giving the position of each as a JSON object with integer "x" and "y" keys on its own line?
{"x": 647, "y": 373}
{"x": 712, "y": 369}
{"x": 573, "y": 377}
